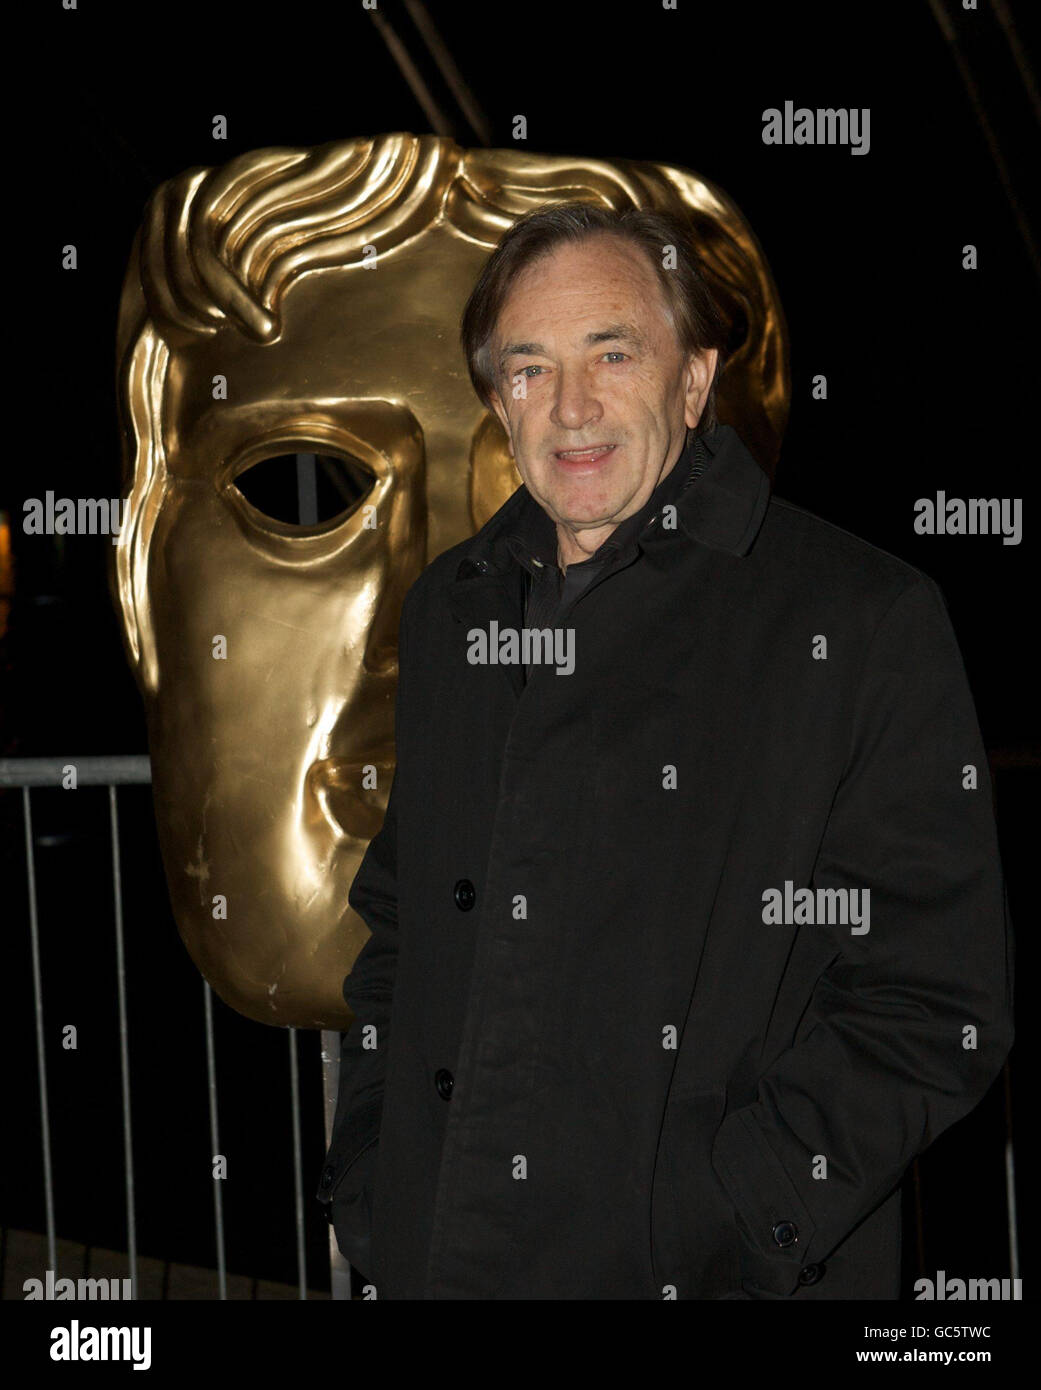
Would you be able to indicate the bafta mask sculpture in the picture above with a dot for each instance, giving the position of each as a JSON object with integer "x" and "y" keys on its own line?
{"x": 307, "y": 301}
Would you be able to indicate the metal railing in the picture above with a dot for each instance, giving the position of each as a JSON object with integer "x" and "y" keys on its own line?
{"x": 113, "y": 772}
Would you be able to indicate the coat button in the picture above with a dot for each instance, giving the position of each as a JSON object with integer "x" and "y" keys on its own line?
{"x": 465, "y": 896}
{"x": 786, "y": 1233}
{"x": 328, "y": 1173}
{"x": 444, "y": 1081}
{"x": 811, "y": 1274}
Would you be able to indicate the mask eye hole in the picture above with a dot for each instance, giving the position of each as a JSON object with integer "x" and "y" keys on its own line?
{"x": 306, "y": 489}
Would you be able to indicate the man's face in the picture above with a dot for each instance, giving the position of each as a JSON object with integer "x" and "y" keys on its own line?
{"x": 586, "y": 354}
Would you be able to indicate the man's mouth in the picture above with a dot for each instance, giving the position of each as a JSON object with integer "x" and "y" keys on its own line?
{"x": 593, "y": 454}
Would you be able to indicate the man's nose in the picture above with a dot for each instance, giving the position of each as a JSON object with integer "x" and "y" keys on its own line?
{"x": 576, "y": 404}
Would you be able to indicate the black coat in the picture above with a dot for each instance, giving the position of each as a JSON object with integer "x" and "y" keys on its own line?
{"x": 602, "y": 1069}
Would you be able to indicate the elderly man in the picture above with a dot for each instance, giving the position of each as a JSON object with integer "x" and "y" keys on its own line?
{"x": 688, "y": 922}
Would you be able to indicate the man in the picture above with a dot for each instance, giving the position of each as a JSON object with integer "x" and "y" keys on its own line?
{"x": 688, "y": 922}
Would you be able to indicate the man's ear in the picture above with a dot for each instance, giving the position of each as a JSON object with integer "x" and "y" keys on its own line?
{"x": 701, "y": 369}
{"x": 494, "y": 403}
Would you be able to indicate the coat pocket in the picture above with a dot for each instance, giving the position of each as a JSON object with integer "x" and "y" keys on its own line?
{"x": 694, "y": 1235}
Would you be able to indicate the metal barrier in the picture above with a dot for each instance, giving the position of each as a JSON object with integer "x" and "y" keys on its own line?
{"x": 114, "y": 772}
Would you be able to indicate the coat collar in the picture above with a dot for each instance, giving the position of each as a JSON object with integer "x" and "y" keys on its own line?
{"x": 723, "y": 509}
{"x": 533, "y": 540}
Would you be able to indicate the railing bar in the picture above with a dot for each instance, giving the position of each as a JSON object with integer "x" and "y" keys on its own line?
{"x": 124, "y": 1050}
{"x": 298, "y": 1164}
{"x": 1010, "y": 1178}
{"x": 339, "y": 1269}
{"x": 307, "y": 489}
{"x": 1010, "y": 1196}
{"x": 106, "y": 770}
{"x": 211, "y": 1071}
{"x": 41, "y": 1060}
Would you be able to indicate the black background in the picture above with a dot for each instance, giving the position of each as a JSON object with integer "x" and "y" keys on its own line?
{"x": 932, "y": 377}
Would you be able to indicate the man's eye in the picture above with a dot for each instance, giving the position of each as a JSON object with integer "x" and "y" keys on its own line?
{"x": 614, "y": 354}
{"x": 532, "y": 368}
